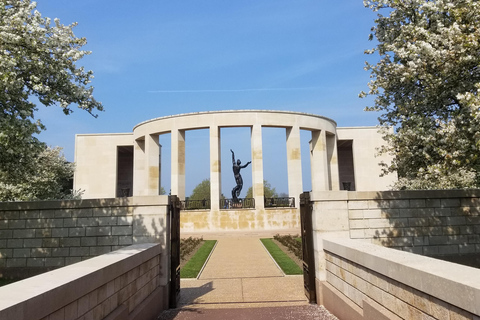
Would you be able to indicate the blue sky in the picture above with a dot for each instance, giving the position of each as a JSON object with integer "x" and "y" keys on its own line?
{"x": 158, "y": 58}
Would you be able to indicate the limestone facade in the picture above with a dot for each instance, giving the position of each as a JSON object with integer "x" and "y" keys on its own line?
{"x": 127, "y": 164}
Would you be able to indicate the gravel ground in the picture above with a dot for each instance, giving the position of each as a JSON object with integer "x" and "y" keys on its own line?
{"x": 311, "y": 311}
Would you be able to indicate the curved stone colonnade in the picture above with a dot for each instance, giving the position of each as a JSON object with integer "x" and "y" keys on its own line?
{"x": 323, "y": 146}
{"x": 127, "y": 164}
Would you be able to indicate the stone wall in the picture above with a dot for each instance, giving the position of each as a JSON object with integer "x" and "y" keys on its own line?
{"x": 431, "y": 223}
{"x": 126, "y": 284}
{"x": 39, "y": 236}
{"x": 367, "y": 281}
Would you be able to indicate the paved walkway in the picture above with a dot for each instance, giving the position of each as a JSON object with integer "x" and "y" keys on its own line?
{"x": 242, "y": 281}
{"x": 240, "y": 271}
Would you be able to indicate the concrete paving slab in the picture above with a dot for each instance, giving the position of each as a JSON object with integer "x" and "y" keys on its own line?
{"x": 240, "y": 257}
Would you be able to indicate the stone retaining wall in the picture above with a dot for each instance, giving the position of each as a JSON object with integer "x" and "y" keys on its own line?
{"x": 40, "y": 236}
{"x": 126, "y": 284}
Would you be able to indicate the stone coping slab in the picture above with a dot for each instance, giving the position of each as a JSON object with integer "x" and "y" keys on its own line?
{"x": 85, "y": 203}
{"x": 55, "y": 289}
{"x": 392, "y": 195}
{"x": 453, "y": 283}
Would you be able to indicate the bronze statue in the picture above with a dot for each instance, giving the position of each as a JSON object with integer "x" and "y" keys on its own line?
{"x": 238, "y": 178}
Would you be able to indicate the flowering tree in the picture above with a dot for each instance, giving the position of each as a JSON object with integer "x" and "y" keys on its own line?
{"x": 37, "y": 60}
{"x": 427, "y": 85}
{"x": 48, "y": 179}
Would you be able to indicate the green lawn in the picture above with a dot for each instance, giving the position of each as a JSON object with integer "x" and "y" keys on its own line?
{"x": 288, "y": 266}
{"x": 195, "y": 264}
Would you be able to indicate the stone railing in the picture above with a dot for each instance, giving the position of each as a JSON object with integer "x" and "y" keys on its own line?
{"x": 125, "y": 284}
{"x": 367, "y": 281}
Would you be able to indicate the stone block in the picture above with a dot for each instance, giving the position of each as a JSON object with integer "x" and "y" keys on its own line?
{"x": 69, "y": 222}
{"x": 60, "y": 232}
{"x": 40, "y": 252}
{"x": 417, "y": 203}
{"x": 43, "y": 233}
{"x": 76, "y": 232}
{"x": 15, "y": 243}
{"x": 54, "y": 262}
{"x": 454, "y": 221}
{"x": 60, "y": 252}
{"x": 107, "y": 241}
{"x": 6, "y": 253}
{"x": 16, "y": 262}
{"x": 70, "y": 242}
{"x": 88, "y": 241}
{"x": 50, "y": 242}
{"x": 125, "y": 220}
{"x": 378, "y": 204}
{"x": 79, "y": 251}
{"x": 98, "y": 231}
{"x": 449, "y": 203}
{"x": 21, "y": 253}
{"x": 400, "y": 204}
{"x": 102, "y": 212}
{"x": 32, "y": 243}
{"x": 3, "y": 224}
{"x": 450, "y": 249}
{"x": 71, "y": 311}
{"x": 16, "y": 224}
{"x": 107, "y": 221}
{"x": 9, "y": 215}
{"x": 373, "y": 214}
{"x": 87, "y": 222}
{"x": 356, "y": 205}
{"x": 35, "y": 262}
{"x": 5, "y": 234}
{"x": 357, "y": 234}
{"x": 24, "y": 233}
{"x": 122, "y": 230}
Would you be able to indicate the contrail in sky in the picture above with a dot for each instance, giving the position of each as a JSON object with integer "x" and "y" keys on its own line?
{"x": 232, "y": 90}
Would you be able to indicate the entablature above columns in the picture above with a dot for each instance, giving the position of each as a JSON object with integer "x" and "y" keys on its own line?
{"x": 235, "y": 118}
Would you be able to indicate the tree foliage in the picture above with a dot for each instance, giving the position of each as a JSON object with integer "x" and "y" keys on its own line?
{"x": 48, "y": 180}
{"x": 427, "y": 85}
{"x": 37, "y": 63}
{"x": 201, "y": 191}
{"x": 268, "y": 191}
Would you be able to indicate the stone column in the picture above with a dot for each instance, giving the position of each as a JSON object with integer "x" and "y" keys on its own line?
{"x": 215, "y": 168}
{"x": 332, "y": 156}
{"x": 257, "y": 166}
{"x": 152, "y": 170}
{"x": 139, "y": 167}
{"x": 294, "y": 164}
{"x": 319, "y": 162}
{"x": 178, "y": 163}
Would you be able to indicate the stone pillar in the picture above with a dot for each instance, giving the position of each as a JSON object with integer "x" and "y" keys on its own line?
{"x": 152, "y": 169}
{"x": 215, "y": 168}
{"x": 178, "y": 163}
{"x": 319, "y": 162}
{"x": 294, "y": 164}
{"x": 332, "y": 156}
{"x": 257, "y": 166}
{"x": 138, "y": 167}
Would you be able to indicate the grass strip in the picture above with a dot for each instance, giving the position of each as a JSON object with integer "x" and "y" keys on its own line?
{"x": 195, "y": 264}
{"x": 288, "y": 266}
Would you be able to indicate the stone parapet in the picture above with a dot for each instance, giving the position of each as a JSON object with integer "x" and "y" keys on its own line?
{"x": 124, "y": 284}
{"x": 363, "y": 279}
